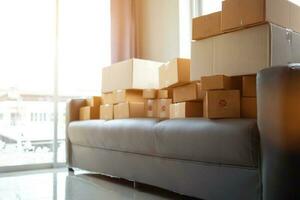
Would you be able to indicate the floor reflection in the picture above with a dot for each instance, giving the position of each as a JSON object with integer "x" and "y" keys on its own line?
{"x": 60, "y": 185}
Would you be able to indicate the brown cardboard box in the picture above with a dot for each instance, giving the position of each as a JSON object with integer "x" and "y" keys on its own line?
{"x": 222, "y": 104}
{"x": 88, "y": 113}
{"x": 206, "y": 26}
{"x": 189, "y": 92}
{"x": 217, "y": 82}
{"x": 107, "y": 112}
{"x": 165, "y": 94}
{"x": 151, "y": 108}
{"x": 245, "y": 51}
{"x": 249, "y": 107}
{"x": 174, "y": 73}
{"x": 236, "y": 83}
{"x": 149, "y": 93}
{"x": 129, "y": 110}
{"x": 94, "y": 101}
{"x": 163, "y": 108}
{"x": 186, "y": 110}
{"x": 159, "y": 108}
{"x": 122, "y": 96}
{"x": 242, "y": 13}
{"x": 107, "y": 98}
{"x": 249, "y": 86}
{"x": 131, "y": 74}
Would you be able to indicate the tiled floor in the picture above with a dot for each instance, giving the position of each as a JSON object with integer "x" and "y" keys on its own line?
{"x": 59, "y": 185}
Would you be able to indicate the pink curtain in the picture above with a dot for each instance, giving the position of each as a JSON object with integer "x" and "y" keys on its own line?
{"x": 123, "y": 33}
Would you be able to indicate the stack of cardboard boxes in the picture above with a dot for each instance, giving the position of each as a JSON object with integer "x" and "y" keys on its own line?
{"x": 248, "y": 100}
{"x": 157, "y": 103}
{"x": 128, "y": 104}
{"x": 245, "y": 37}
{"x": 175, "y": 76}
{"x": 92, "y": 110}
{"x": 188, "y": 101}
{"x": 107, "y": 108}
{"x": 222, "y": 98}
{"x": 229, "y": 48}
{"x": 213, "y": 97}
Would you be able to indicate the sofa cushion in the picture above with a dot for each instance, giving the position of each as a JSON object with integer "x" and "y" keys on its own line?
{"x": 127, "y": 135}
{"x": 221, "y": 142}
{"x": 231, "y": 141}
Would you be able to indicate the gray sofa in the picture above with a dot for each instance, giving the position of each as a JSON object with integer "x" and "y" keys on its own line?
{"x": 208, "y": 159}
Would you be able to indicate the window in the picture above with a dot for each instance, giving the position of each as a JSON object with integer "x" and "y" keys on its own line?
{"x": 31, "y": 117}
{"x": 297, "y": 2}
{"x": 47, "y": 56}
{"x": 204, "y": 7}
{"x": 84, "y": 48}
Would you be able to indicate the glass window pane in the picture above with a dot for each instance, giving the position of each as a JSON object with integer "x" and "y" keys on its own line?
{"x": 84, "y": 45}
{"x": 210, "y": 6}
{"x": 84, "y": 49}
{"x": 27, "y": 39}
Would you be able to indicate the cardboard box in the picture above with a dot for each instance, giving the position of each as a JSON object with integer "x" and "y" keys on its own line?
{"x": 94, "y": 101}
{"x": 189, "y": 92}
{"x": 151, "y": 108}
{"x": 249, "y": 107}
{"x": 174, "y": 73}
{"x": 217, "y": 82}
{"x": 122, "y": 96}
{"x": 89, "y": 113}
{"x": 149, "y": 93}
{"x": 244, "y": 52}
{"x": 237, "y": 14}
{"x": 131, "y": 74}
{"x": 186, "y": 110}
{"x": 163, "y": 108}
{"x": 236, "y": 83}
{"x": 107, "y": 112}
{"x": 249, "y": 86}
{"x": 207, "y": 26}
{"x": 107, "y": 98}
{"x": 222, "y": 104}
{"x": 164, "y": 94}
{"x": 129, "y": 110}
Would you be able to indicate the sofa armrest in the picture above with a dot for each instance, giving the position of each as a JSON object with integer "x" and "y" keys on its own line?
{"x": 72, "y": 114}
{"x": 278, "y": 99}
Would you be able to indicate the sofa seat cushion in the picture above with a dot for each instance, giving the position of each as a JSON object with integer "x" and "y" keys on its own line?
{"x": 221, "y": 142}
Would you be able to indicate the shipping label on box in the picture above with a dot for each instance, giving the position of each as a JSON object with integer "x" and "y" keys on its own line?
{"x": 122, "y": 96}
{"x": 175, "y": 72}
{"x": 249, "y": 86}
{"x": 149, "y": 93}
{"x": 206, "y": 26}
{"x": 129, "y": 110}
{"x": 89, "y": 113}
{"x": 220, "y": 104}
{"x": 151, "y": 108}
{"x": 249, "y": 107}
{"x": 186, "y": 110}
{"x": 163, "y": 107}
{"x": 189, "y": 92}
{"x": 107, "y": 112}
